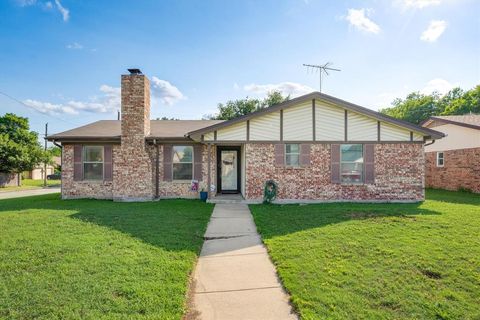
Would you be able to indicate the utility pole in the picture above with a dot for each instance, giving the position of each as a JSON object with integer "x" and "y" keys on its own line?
{"x": 320, "y": 69}
{"x": 45, "y": 163}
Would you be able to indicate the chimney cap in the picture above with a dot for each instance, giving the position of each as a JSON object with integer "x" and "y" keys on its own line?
{"x": 134, "y": 71}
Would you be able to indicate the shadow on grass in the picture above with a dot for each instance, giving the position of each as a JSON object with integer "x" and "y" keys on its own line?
{"x": 278, "y": 220}
{"x": 275, "y": 220}
{"x": 171, "y": 224}
{"x": 458, "y": 197}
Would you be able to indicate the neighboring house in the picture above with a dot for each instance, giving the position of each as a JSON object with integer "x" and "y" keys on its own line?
{"x": 38, "y": 172}
{"x": 9, "y": 179}
{"x": 315, "y": 147}
{"x": 454, "y": 162}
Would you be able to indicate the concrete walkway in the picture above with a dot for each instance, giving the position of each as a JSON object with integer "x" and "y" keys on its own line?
{"x": 234, "y": 277}
{"x": 28, "y": 192}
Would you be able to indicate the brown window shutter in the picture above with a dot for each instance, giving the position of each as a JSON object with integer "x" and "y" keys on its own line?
{"x": 167, "y": 162}
{"x": 305, "y": 154}
{"x": 107, "y": 163}
{"x": 197, "y": 162}
{"x": 335, "y": 163}
{"x": 77, "y": 162}
{"x": 369, "y": 162}
{"x": 280, "y": 154}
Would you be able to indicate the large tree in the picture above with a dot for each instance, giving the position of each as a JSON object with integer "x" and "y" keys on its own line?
{"x": 235, "y": 108}
{"x": 20, "y": 149}
{"x": 417, "y": 107}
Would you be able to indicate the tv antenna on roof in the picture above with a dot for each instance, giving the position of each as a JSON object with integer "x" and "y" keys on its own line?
{"x": 320, "y": 69}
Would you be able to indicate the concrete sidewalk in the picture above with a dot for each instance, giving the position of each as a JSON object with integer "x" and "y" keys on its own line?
{"x": 234, "y": 277}
{"x": 28, "y": 192}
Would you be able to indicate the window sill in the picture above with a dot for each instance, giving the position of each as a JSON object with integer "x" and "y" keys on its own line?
{"x": 182, "y": 181}
{"x": 93, "y": 181}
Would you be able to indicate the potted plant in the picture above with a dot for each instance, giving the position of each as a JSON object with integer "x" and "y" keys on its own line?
{"x": 203, "y": 195}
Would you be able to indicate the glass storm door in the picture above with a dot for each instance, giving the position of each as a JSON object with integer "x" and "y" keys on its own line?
{"x": 229, "y": 170}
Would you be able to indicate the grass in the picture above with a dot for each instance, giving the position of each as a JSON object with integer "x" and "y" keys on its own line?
{"x": 93, "y": 259}
{"x": 378, "y": 261}
{"x": 31, "y": 184}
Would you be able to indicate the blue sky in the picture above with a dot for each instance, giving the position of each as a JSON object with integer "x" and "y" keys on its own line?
{"x": 64, "y": 58}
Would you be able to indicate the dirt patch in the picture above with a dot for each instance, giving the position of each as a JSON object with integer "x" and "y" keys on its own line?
{"x": 431, "y": 274}
{"x": 192, "y": 313}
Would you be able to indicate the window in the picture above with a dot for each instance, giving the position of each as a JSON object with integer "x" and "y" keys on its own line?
{"x": 440, "y": 159}
{"x": 93, "y": 162}
{"x": 292, "y": 155}
{"x": 351, "y": 163}
{"x": 182, "y": 163}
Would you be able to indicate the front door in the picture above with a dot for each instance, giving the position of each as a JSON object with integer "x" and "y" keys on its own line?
{"x": 228, "y": 164}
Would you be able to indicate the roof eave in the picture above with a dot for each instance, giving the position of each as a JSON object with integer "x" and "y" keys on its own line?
{"x": 83, "y": 138}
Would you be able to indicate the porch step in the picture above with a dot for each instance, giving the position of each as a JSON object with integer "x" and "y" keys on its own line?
{"x": 227, "y": 198}
{"x": 225, "y": 201}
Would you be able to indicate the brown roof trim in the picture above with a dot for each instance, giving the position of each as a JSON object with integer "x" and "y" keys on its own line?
{"x": 168, "y": 139}
{"x": 448, "y": 121}
{"x": 329, "y": 99}
{"x": 78, "y": 139}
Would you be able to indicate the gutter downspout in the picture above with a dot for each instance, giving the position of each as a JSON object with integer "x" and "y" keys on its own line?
{"x": 429, "y": 144}
{"x": 61, "y": 165}
{"x": 157, "y": 166}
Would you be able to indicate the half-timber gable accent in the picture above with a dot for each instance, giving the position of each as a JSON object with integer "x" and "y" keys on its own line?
{"x": 329, "y": 122}
{"x": 313, "y": 120}
{"x": 265, "y": 128}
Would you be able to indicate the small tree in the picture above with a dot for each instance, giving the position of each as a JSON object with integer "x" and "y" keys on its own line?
{"x": 235, "y": 108}
{"x": 20, "y": 149}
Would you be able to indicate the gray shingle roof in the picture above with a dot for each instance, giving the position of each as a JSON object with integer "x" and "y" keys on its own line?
{"x": 111, "y": 129}
{"x": 468, "y": 119}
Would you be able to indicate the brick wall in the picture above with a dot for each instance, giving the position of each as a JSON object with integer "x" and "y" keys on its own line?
{"x": 83, "y": 189}
{"x": 399, "y": 175}
{"x": 176, "y": 189}
{"x": 461, "y": 170}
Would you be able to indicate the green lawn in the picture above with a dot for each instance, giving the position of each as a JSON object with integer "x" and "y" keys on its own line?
{"x": 31, "y": 184}
{"x": 94, "y": 259}
{"x": 378, "y": 261}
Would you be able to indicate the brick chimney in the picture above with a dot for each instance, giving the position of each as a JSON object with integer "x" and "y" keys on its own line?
{"x": 135, "y": 104}
{"x": 132, "y": 174}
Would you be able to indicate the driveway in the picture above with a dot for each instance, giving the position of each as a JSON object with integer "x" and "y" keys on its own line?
{"x": 28, "y": 192}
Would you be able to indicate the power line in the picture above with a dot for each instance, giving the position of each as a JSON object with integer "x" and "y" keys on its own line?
{"x": 31, "y": 108}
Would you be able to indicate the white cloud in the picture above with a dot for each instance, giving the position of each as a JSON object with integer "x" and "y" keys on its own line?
{"x": 358, "y": 18}
{"x": 287, "y": 88}
{"x": 75, "y": 46}
{"x": 434, "y": 30}
{"x": 64, "y": 11}
{"x": 47, "y": 5}
{"x": 165, "y": 91}
{"x": 439, "y": 85}
{"x": 420, "y": 4}
{"x": 108, "y": 101}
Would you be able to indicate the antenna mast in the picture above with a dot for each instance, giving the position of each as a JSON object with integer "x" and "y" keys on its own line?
{"x": 320, "y": 69}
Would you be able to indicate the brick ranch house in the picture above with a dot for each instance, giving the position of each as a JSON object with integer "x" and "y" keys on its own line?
{"x": 315, "y": 147}
{"x": 454, "y": 162}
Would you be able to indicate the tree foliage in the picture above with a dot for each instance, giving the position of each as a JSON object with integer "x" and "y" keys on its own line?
{"x": 20, "y": 149}
{"x": 417, "y": 107}
{"x": 55, "y": 151}
{"x": 235, "y": 108}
